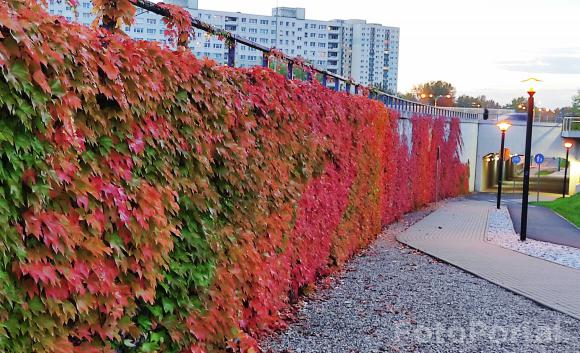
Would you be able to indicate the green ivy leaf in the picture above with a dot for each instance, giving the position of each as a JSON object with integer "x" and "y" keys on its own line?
{"x": 19, "y": 70}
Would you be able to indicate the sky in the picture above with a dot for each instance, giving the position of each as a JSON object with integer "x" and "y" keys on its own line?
{"x": 484, "y": 47}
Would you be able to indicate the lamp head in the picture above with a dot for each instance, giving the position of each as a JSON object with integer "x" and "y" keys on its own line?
{"x": 504, "y": 126}
{"x": 568, "y": 145}
{"x": 532, "y": 83}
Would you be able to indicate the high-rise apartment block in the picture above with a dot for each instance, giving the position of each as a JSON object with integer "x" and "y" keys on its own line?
{"x": 368, "y": 53}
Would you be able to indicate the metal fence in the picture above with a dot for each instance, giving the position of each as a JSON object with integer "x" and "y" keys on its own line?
{"x": 571, "y": 127}
{"x": 407, "y": 108}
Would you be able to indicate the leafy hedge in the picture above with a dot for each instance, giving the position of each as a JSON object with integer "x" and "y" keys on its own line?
{"x": 151, "y": 201}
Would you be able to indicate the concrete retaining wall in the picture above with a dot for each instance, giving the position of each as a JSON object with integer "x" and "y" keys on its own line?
{"x": 481, "y": 138}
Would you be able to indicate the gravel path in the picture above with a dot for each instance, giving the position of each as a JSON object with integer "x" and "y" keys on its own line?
{"x": 394, "y": 299}
{"x": 500, "y": 231}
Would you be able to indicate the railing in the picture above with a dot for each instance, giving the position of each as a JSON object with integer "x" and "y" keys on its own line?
{"x": 405, "y": 107}
{"x": 571, "y": 127}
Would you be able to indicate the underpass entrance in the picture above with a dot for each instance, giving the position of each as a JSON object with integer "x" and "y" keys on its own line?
{"x": 547, "y": 178}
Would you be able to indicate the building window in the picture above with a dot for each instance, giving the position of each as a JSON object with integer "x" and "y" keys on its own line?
{"x": 217, "y": 46}
{"x": 138, "y": 30}
{"x": 150, "y": 31}
{"x": 253, "y": 20}
{"x": 151, "y": 21}
{"x": 86, "y": 5}
{"x": 253, "y": 30}
{"x": 264, "y": 22}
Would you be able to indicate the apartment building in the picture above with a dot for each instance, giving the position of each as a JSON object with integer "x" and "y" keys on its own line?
{"x": 352, "y": 48}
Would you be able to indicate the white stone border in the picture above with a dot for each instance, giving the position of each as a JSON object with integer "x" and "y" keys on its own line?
{"x": 500, "y": 231}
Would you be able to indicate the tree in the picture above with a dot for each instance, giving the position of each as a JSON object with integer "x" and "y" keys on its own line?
{"x": 466, "y": 101}
{"x": 576, "y": 104}
{"x": 564, "y": 112}
{"x": 410, "y": 96}
{"x": 519, "y": 104}
{"x": 440, "y": 92}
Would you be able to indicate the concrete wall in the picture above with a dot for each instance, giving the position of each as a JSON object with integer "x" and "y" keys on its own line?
{"x": 575, "y": 167}
{"x": 469, "y": 132}
{"x": 481, "y": 138}
{"x": 486, "y": 138}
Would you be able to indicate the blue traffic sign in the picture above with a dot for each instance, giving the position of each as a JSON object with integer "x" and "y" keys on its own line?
{"x": 516, "y": 159}
{"x": 539, "y": 159}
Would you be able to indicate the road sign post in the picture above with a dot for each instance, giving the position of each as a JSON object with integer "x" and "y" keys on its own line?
{"x": 515, "y": 161}
{"x": 539, "y": 159}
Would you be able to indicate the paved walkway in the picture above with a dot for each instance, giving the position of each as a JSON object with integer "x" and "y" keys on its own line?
{"x": 455, "y": 234}
{"x": 545, "y": 225}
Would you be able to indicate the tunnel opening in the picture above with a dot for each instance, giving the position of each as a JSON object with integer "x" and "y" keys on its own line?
{"x": 546, "y": 178}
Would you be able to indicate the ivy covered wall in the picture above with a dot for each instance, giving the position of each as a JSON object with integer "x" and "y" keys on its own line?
{"x": 151, "y": 201}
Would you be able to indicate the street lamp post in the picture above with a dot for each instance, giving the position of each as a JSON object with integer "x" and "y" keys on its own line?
{"x": 435, "y": 96}
{"x": 568, "y": 146}
{"x": 528, "y": 159}
{"x": 503, "y": 127}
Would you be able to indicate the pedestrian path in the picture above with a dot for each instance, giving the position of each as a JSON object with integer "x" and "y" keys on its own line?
{"x": 455, "y": 234}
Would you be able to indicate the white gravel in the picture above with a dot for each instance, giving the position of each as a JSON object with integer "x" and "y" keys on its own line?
{"x": 501, "y": 231}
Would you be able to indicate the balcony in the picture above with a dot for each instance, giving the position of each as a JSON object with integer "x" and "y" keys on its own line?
{"x": 571, "y": 127}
